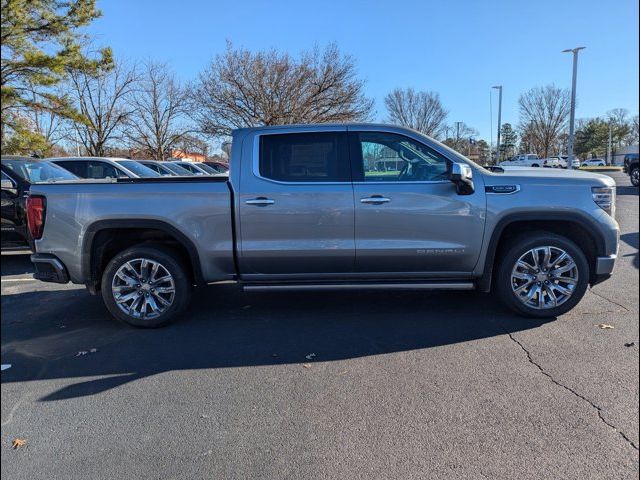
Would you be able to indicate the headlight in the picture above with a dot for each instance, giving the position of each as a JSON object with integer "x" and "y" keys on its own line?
{"x": 605, "y": 198}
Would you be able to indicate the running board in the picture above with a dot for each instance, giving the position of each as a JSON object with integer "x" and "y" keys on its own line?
{"x": 359, "y": 286}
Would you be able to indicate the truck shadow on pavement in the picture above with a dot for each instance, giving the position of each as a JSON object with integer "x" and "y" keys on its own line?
{"x": 626, "y": 190}
{"x": 633, "y": 240}
{"x": 44, "y": 331}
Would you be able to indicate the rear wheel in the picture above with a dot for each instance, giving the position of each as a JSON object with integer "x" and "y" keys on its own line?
{"x": 542, "y": 275}
{"x": 145, "y": 286}
{"x": 635, "y": 173}
{"x": 535, "y": 165}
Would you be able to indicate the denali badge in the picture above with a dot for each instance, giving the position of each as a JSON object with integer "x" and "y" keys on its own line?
{"x": 502, "y": 188}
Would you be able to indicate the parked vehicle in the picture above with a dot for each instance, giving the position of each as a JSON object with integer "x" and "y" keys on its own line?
{"x": 594, "y": 162}
{"x": 18, "y": 174}
{"x": 218, "y": 167}
{"x": 525, "y": 160}
{"x": 551, "y": 162}
{"x": 630, "y": 167}
{"x": 104, "y": 167}
{"x": 304, "y": 208}
{"x": 166, "y": 169}
{"x": 197, "y": 168}
{"x": 563, "y": 161}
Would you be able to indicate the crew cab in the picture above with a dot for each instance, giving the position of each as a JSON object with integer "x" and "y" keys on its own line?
{"x": 320, "y": 207}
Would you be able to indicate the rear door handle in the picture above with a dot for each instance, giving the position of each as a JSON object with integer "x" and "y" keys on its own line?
{"x": 260, "y": 202}
{"x": 375, "y": 199}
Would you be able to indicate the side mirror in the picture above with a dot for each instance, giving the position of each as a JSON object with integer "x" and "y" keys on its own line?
{"x": 462, "y": 176}
{"x": 7, "y": 184}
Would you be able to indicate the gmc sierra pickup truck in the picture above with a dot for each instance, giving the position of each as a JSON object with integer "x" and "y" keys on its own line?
{"x": 354, "y": 206}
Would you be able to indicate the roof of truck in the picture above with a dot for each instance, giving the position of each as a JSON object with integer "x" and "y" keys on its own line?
{"x": 363, "y": 125}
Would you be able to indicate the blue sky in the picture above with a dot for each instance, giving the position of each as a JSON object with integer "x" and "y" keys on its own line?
{"x": 459, "y": 49}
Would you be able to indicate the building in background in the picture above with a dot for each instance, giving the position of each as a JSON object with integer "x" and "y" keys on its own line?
{"x": 618, "y": 156}
{"x": 184, "y": 155}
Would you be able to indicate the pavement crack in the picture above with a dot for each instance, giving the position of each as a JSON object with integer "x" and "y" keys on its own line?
{"x": 572, "y": 391}
{"x": 609, "y": 300}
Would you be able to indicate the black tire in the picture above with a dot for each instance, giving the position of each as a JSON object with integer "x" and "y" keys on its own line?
{"x": 535, "y": 165}
{"x": 170, "y": 262}
{"x": 519, "y": 246}
{"x": 633, "y": 175}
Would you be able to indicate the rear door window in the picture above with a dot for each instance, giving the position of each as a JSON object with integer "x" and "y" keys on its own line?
{"x": 305, "y": 157}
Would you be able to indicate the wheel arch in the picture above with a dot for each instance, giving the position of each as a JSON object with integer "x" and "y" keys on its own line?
{"x": 580, "y": 229}
{"x": 103, "y": 239}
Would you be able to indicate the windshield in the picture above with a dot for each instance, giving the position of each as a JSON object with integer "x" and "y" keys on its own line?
{"x": 34, "y": 171}
{"x": 138, "y": 168}
{"x": 218, "y": 167}
{"x": 208, "y": 169}
{"x": 177, "y": 169}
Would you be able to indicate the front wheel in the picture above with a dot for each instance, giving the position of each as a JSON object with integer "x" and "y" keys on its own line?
{"x": 634, "y": 175}
{"x": 145, "y": 286}
{"x": 542, "y": 275}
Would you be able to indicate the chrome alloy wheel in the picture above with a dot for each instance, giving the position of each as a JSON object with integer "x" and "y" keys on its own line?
{"x": 544, "y": 277}
{"x": 143, "y": 288}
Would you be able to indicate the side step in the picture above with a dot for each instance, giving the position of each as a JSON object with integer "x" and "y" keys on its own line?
{"x": 263, "y": 287}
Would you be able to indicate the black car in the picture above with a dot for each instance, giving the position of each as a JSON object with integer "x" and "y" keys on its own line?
{"x": 631, "y": 167}
{"x": 18, "y": 173}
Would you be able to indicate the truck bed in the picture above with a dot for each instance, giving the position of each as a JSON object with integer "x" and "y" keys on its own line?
{"x": 198, "y": 208}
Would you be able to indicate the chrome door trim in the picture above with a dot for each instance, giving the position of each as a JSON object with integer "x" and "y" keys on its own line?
{"x": 261, "y": 202}
{"x": 375, "y": 200}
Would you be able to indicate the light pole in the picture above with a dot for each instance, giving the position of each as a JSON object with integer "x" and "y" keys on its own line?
{"x": 609, "y": 149}
{"x": 572, "y": 117}
{"x": 499, "y": 88}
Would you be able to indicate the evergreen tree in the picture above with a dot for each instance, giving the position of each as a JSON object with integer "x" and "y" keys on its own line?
{"x": 41, "y": 43}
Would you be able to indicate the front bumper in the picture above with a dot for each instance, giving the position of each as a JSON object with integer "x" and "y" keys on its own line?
{"x": 49, "y": 268}
{"x": 604, "y": 265}
{"x": 604, "y": 269}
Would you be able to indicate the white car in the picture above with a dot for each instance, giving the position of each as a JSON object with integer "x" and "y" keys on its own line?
{"x": 524, "y": 160}
{"x": 594, "y": 162}
{"x": 551, "y": 162}
{"x": 563, "y": 161}
{"x": 103, "y": 167}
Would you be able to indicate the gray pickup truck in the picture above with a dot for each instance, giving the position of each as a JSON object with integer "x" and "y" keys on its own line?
{"x": 354, "y": 206}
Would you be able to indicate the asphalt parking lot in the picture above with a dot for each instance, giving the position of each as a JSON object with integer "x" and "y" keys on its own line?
{"x": 317, "y": 385}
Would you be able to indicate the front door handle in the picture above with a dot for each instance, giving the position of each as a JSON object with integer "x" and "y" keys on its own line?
{"x": 375, "y": 199}
{"x": 260, "y": 202}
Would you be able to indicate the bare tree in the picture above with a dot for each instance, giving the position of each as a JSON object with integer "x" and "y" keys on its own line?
{"x": 634, "y": 133}
{"x": 102, "y": 102}
{"x": 421, "y": 111}
{"x": 458, "y": 136}
{"x": 159, "y": 105}
{"x": 191, "y": 144}
{"x": 242, "y": 89}
{"x": 544, "y": 112}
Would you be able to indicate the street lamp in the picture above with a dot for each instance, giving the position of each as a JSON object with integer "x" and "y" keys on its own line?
{"x": 499, "y": 88}
{"x": 572, "y": 117}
